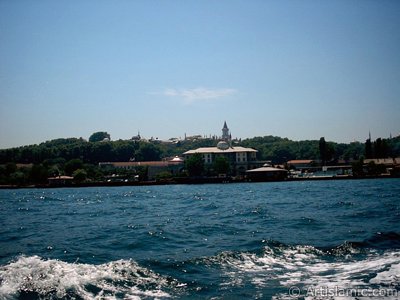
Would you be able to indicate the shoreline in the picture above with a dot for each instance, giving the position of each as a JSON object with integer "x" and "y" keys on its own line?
{"x": 209, "y": 180}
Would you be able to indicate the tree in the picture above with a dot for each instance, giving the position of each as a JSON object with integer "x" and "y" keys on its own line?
{"x": 322, "y": 150}
{"x": 101, "y": 152}
{"x": 10, "y": 168}
{"x": 195, "y": 165}
{"x": 17, "y": 178}
{"x": 368, "y": 149}
{"x": 79, "y": 175}
{"x": 148, "y": 152}
{"x": 99, "y": 136}
{"x": 165, "y": 175}
{"x": 357, "y": 168}
{"x": 221, "y": 165}
{"x": 123, "y": 150}
{"x": 38, "y": 174}
{"x": 72, "y": 165}
{"x": 381, "y": 148}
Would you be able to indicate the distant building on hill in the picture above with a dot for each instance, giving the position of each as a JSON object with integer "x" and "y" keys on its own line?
{"x": 137, "y": 137}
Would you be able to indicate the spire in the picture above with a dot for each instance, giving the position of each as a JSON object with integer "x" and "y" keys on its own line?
{"x": 225, "y": 133}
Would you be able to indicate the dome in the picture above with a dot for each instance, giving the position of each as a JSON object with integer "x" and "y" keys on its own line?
{"x": 222, "y": 145}
{"x": 176, "y": 159}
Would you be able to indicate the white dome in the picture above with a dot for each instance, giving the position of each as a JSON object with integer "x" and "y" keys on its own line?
{"x": 176, "y": 159}
{"x": 222, "y": 145}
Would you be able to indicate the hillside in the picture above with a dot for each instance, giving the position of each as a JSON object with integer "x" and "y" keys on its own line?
{"x": 65, "y": 156}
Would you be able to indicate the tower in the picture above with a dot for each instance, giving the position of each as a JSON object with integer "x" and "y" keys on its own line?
{"x": 226, "y": 136}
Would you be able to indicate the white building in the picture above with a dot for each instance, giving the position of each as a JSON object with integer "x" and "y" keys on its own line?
{"x": 240, "y": 159}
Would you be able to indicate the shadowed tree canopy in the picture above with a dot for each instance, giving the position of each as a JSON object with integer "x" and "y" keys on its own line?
{"x": 221, "y": 165}
{"x": 73, "y": 165}
{"x": 322, "y": 150}
{"x": 99, "y": 136}
{"x": 195, "y": 165}
{"x": 148, "y": 152}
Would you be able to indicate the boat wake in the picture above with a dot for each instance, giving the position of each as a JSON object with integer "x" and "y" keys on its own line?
{"x": 312, "y": 273}
{"x": 273, "y": 271}
{"x": 34, "y": 277}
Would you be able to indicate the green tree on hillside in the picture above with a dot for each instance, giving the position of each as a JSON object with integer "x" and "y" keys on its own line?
{"x": 148, "y": 152}
{"x": 38, "y": 174}
{"x": 381, "y": 148}
{"x": 79, "y": 175}
{"x": 73, "y": 165}
{"x": 99, "y": 136}
{"x": 195, "y": 165}
{"x": 322, "y": 150}
{"x": 368, "y": 149}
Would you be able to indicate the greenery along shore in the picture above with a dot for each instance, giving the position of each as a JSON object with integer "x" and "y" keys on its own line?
{"x": 77, "y": 157}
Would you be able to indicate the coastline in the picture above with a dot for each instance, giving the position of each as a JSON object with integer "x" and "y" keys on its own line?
{"x": 200, "y": 180}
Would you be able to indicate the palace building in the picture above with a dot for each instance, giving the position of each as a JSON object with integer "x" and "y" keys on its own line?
{"x": 240, "y": 159}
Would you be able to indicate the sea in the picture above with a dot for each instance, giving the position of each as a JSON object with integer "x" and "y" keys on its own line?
{"x": 272, "y": 240}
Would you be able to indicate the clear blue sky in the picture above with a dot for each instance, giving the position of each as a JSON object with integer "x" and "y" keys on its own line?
{"x": 296, "y": 69}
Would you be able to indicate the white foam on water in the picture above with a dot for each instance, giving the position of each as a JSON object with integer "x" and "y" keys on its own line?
{"x": 58, "y": 278}
{"x": 306, "y": 267}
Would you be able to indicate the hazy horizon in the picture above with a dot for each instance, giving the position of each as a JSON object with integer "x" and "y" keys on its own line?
{"x": 300, "y": 70}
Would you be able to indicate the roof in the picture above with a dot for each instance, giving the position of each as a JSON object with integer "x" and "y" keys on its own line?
{"x": 383, "y": 161}
{"x": 266, "y": 169}
{"x": 135, "y": 164}
{"x": 300, "y": 161}
{"x": 141, "y": 163}
{"x": 61, "y": 178}
{"x": 176, "y": 159}
{"x": 216, "y": 150}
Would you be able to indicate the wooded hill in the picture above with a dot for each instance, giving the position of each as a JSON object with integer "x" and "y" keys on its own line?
{"x": 67, "y": 155}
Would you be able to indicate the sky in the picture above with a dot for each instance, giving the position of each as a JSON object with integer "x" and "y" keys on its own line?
{"x": 166, "y": 68}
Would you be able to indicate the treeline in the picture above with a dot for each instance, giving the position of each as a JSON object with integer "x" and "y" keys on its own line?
{"x": 279, "y": 150}
{"x": 68, "y": 156}
{"x": 79, "y": 158}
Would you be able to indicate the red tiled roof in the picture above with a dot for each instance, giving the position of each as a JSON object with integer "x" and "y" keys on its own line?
{"x": 141, "y": 164}
{"x": 300, "y": 161}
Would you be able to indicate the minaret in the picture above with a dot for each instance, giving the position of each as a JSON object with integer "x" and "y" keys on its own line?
{"x": 225, "y": 133}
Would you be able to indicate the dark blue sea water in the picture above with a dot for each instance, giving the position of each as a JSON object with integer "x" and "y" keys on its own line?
{"x": 221, "y": 241}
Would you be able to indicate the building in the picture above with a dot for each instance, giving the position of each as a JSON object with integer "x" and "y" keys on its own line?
{"x": 137, "y": 137}
{"x": 60, "y": 180}
{"x": 267, "y": 173}
{"x": 240, "y": 159}
{"x": 391, "y": 165}
{"x": 174, "y": 166}
{"x": 301, "y": 164}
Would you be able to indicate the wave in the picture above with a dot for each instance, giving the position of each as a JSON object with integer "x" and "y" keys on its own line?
{"x": 382, "y": 240}
{"x": 34, "y": 277}
{"x": 267, "y": 272}
{"x": 347, "y": 266}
